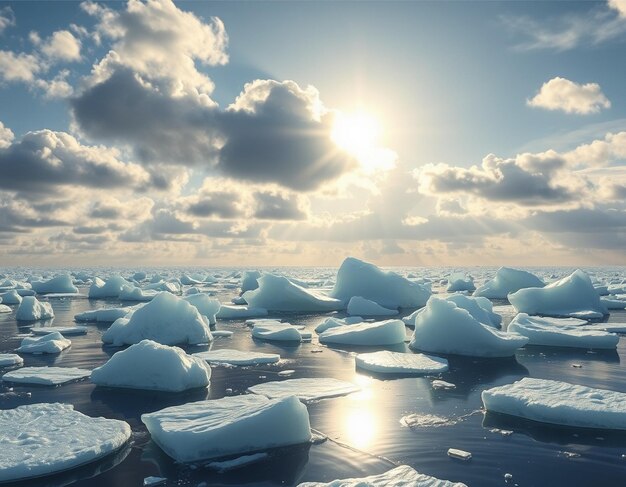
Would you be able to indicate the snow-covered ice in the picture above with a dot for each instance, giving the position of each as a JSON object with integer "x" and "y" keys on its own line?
{"x": 63, "y": 330}
{"x": 31, "y": 309}
{"x": 206, "y": 305}
{"x": 167, "y": 319}
{"x": 58, "y": 284}
{"x": 332, "y": 322}
{"x": 152, "y": 366}
{"x": 277, "y": 293}
{"x": 237, "y": 357}
{"x": 279, "y": 332}
{"x": 574, "y": 293}
{"x": 135, "y": 293}
{"x": 306, "y": 389}
{"x": 10, "y": 359}
{"x": 358, "y": 278}
{"x": 460, "y": 281}
{"x": 480, "y": 308}
{"x": 228, "y": 312}
{"x": 364, "y": 307}
{"x": 443, "y": 327}
{"x": 541, "y": 331}
{"x": 111, "y": 288}
{"x": 378, "y": 333}
{"x": 508, "y": 281}
{"x": 239, "y": 424}
{"x": 48, "y": 343}
{"x": 50, "y": 376}
{"x": 4, "y": 308}
{"x": 387, "y": 362}
{"x": 556, "y": 402}
{"x": 35, "y": 440}
{"x": 402, "y": 476}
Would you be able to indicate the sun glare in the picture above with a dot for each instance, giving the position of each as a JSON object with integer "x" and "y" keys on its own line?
{"x": 356, "y": 133}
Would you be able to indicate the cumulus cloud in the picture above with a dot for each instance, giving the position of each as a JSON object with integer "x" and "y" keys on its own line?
{"x": 619, "y": 6}
{"x": 7, "y": 18}
{"x": 570, "y": 97}
{"x": 19, "y": 216}
{"x": 61, "y": 46}
{"x": 18, "y": 67}
{"x": 6, "y": 136}
{"x": 57, "y": 87}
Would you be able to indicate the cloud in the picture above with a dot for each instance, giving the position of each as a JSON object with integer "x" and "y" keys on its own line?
{"x": 6, "y": 136}
{"x": 7, "y": 18}
{"x": 18, "y": 67}
{"x": 61, "y": 46}
{"x": 110, "y": 208}
{"x": 21, "y": 217}
{"x": 272, "y": 205}
{"x": 570, "y": 97}
{"x": 57, "y": 87}
{"x": 619, "y": 6}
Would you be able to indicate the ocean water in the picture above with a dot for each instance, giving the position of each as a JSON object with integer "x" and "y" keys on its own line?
{"x": 366, "y": 434}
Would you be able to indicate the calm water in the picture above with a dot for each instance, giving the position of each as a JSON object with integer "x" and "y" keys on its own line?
{"x": 365, "y": 432}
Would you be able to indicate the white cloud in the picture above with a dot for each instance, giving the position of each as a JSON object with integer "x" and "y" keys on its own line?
{"x": 18, "y": 67}
{"x": 619, "y": 5}
{"x": 7, "y": 18}
{"x": 61, "y": 46}
{"x": 57, "y": 87}
{"x": 570, "y": 97}
{"x": 6, "y": 136}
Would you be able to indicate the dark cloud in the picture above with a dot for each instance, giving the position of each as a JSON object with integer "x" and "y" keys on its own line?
{"x": 19, "y": 218}
{"x": 277, "y": 206}
{"x": 222, "y": 204}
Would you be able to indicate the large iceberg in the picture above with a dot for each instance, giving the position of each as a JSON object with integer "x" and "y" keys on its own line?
{"x": 237, "y": 357}
{"x": 443, "y": 327}
{"x": 150, "y": 365}
{"x": 358, "y": 278}
{"x": 364, "y": 307}
{"x": 378, "y": 333}
{"x": 207, "y": 306}
{"x": 402, "y": 476}
{"x": 572, "y": 294}
{"x": 306, "y": 389}
{"x": 167, "y": 319}
{"x": 49, "y": 376}
{"x": 542, "y": 331}
{"x": 109, "y": 289}
{"x": 30, "y": 309}
{"x": 232, "y": 425}
{"x": 58, "y": 284}
{"x": 277, "y": 293}
{"x": 386, "y": 362}
{"x": 43, "y": 439}
{"x": 508, "y": 281}
{"x": 556, "y": 402}
{"x": 50, "y": 343}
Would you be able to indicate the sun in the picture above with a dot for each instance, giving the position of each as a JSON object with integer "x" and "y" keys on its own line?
{"x": 356, "y": 133}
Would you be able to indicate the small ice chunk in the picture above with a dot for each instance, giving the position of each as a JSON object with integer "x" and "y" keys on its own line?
{"x": 460, "y": 281}
{"x": 30, "y": 309}
{"x": 9, "y": 359}
{"x": 332, "y": 322}
{"x": 280, "y": 332}
{"x": 4, "y": 308}
{"x": 400, "y": 363}
{"x": 228, "y": 312}
{"x": 49, "y": 376}
{"x": 221, "y": 333}
{"x": 237, "y": 357}
{"x": 286, "y": 373}
{"x": 238, "y": 462}
{"x": 63, "y": 330}
{"x": 10, "y": 297}
{"x": 556, "y": 402}
{"x": 361, "y": 306}
{"x": 153, "y": 481}
{"x": 460, "y": 454}
{"x": 378, "y": 333}
{"x": 402, "y": 476}
{"x": 130, "y": 292}
{"x": 43, "y": 439}
{"x": 109, "y": 289}
{"x": 508, "y": 281}
{"x": 49, "y": 343}
{"x": 306, "y": 389}
{"x": 104, "y": 315}
{"x": 232, "y": 425}
{"x": 442, "y": 384}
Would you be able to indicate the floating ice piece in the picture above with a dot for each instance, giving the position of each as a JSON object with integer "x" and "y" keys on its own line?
{"x": 249, "y": 281}
{"x": 614, "y": 303}
{"x": 139, "y": 276}
{"x": 189, "y": 281}
{"x": 167, "y": 319}
{"x": 587, "y": 315}
{"x": 378, "y": 333}
{"x": 134, "y": 293}
{"x": 153, "y": 481}
{"x": 238, "y": 462}
{"x": 207, "y": 306}
{"x": 104, "y": 315}
{"x": 43, "y": 439}
{"x": 332, "y": 322}
{"x": 277, "y": 293}
{"x": 443, "y": 327}
{"x": 460, "y": 281}
{"x": 556, "y": 402}
{"x": 361, "y": 306}
{"x": 609, "y": 327}
{"x": 460, "y": 454}
{"x": 571, "y": 294}
{"x": 542, "y": 332}
{"x": 237, "y": 357}
{"x": 306, "y": 389}
{"x": 169, "y": 286}
{"x": 49, "y": 343}
{"x": 508, "y": 281}
{"x": 58, "y": 284}
{"x": 30, "y": 309}
{"x": 358, "y": 278}
{"x": 402, "y": 476}
{"x": 279, "y": 332}
{"x": 63, "y": 330}
{"x": 4, "y": 308}
{"x": 11, "y": 297}
{"x": 49, "y": 376}
{"x": 237, "y": 424}
{"x": 109, "y": 289}
{"x": 481, "y": 309}
{"x": 426, "y": 420}
{"x": 442, "y": 384}
{"x": 221, "y": 333}
{"x": 387, "y": 362}
{"x": 9, "y": 359}
{"x": 152, "y": 366}
{"x": 228, "y": 312}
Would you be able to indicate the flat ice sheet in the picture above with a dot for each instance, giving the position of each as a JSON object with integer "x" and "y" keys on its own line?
{"x": 63, "y": 330}
{"x": 403, "y": 476}
{"x": 400, "y": 363}
{"x": 8, "y": 359}
{"x": 42, "y": 439}
{"x": 556, "y": 402}
{"x": 306, "y": 389}
{"x": 49, "y": 376}
{"x": 237, "y": 357}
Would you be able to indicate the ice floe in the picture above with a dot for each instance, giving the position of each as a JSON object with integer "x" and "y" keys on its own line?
{"x": 31, "y": 309}
{"x": 111, "y": 288}
{"x": 50, "y": 376}
{"x": 228, "y": 312}
{"x": 332, "y": 322}
{"x": 4, "y": 308}
{"x": 58, "y": 284}
{"x": 232, "y": 425}
{"x": 48, "y": 343}
{"x": 10, "y": 359}
{"x": 237, "y": 357}
{"x": 443, "y": 327}
{"x": 387, "y": 362}
{"x": 556, "y": 402}
{"x": 361, "y": 306}
{"x": 104, "y": 315}
{"x": 378, "y": 333}
{"x": 280, "y": 332}
{"x": 508, "y": 281}
{"x": 134, "y": 293}
{"x": 306, "y": 389}
{"x": 152, "y": 366}
{"x": 63, "y": 330}
{"x": 42, "y": 439}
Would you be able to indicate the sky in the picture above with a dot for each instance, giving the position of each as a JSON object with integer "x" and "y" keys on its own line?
{"x": 298, "y": 133}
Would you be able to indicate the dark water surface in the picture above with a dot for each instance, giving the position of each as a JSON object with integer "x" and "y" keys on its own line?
{"x": 365, "y": 432}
